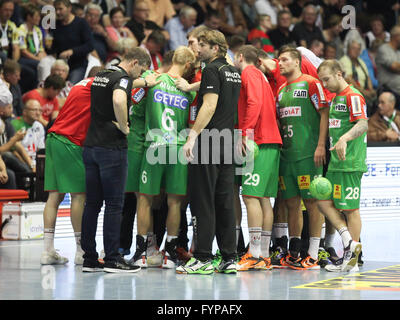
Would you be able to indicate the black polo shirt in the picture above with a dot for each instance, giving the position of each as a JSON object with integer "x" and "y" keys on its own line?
{"x": 223, "y": 79}
{"x": 102, "y": 132}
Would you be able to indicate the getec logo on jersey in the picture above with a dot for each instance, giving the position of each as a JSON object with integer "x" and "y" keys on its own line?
{"x": 290, "y": 112}
{"x": 335, "y": 123}
{"x": 298, "y": 93}
{"x": 171, "y": 100}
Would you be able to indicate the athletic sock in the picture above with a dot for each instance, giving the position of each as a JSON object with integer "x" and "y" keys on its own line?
{"x": 280, "y": 229}
{"x": 255, "y": 241}
{"x": 49, "y": 239}
{"x": 237, "y": 235}
{"x": 329, "y": 240}
{"x": 78, "y": 241}
{"x": 313, "y": 247}
{"x": 265, "y": 242}
{"x": 346, "y": 237}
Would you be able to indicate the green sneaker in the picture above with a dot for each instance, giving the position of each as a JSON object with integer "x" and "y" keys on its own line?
{"x": 323, "y": 258}
{"x": 194, "y": 266}
{"x": 217, "y": 259}
{"x": 228, "y": 267}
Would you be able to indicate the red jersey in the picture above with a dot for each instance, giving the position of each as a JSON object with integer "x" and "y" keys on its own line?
{"x": 74, "y": 118}
{"x": 48, "y": 105}
{"x": 256, "y": 107}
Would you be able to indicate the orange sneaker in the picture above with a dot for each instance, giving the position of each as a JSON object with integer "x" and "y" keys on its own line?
{"x": 288, "y": 261}
{"x": 306, "y": 264}
{"x": 267, "y": 263}
{"x": 248, "y": 262}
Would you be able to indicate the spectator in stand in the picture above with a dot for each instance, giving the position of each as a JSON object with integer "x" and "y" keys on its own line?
{"x": 31, "y": 44}
{"x": 102, "y": 42}
{"x": 203, "y": 8}
{"x": 78, "y": 10}
{"x": 368, "y": 56}
{"x": 357, "y": 34}
{"x": 235, "y": 42}
{"x": 388, "y": 62}
{"x": 212, "y": 20}
{"x": 356, "y": 73}
{"x": 9, "y": 35}
{"x": 377, "y": 30}
{"x": 7, "y": 176}
{"x": 317, "y": 47}
{"x": 249, "y": 12}
{"x": 384, "y": 124}
{"x": 12, "y": 74}
{"x": 13, "y": 153}
{"x": 329, "y": 8}
{"x": 160, "y": 11}
{"x": 117, "y": 30}
{"x": 140, "y": 25}
{"x": 60, "y": 68}
{"x": 305, "y": 31}
{"x": 47, "y": 97}
{"x": 72, "y": 41}
{"x": 154, "y": 45}
{"x": 296, "y": 8}
{"x": 330, "y": 51}
{"x": 270, "y": 8}
{"x": 35, "y": 134}
{"x": 232, "y": 19}
{"x": 332, "y": 34}
{"x": 123, "y": 47}
{"x": 261, "y": 31}
{"x": 178, "y": 27}
{"x": 282, "y": 35}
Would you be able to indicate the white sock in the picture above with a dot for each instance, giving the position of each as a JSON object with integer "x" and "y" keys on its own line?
{"x": 346, "y": 237}
{"x": 323, "y": 231}
{"x": 237, "y": 235}
{"x": 265, "y": 242}
{"x": 49, "y": 239}
{"x": 78, "y": 241}
{"x": 280, "y": 229}
{"x": 313, "y": 247}
{"x": 329, "y": 240}
{"x": 255, "y": 241}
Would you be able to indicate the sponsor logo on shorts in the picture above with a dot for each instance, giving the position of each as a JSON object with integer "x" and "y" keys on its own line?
{"x": 335, "y": 123}
{"x": 290, "y": 112}
{"x": 341, "y": 108}
{"x": 298, "y": 93}
{"x": 303, "y": 182}
{"x": 337, "y": 191}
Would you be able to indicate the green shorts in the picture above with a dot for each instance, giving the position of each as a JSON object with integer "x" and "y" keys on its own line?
{"x": 64, "y": 168}
{"x": 295, "y": 178}
{"x": 346, "y": 189}
{"x": 170, "y": 173}
{"x": 262, "y": 180}
{"x": 134, "y": 166}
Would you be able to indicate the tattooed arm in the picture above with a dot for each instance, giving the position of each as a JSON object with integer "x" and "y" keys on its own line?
{"x": 340, "y": 147}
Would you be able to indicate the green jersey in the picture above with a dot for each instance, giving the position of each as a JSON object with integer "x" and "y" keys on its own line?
{"x": 346, "y": 109}
{"x": 137, "y": 136}
{"x": 166, "y": 113}
{"x": 298, "y": 107}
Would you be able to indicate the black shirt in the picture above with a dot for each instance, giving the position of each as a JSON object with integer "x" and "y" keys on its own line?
{"x": 223, "y": 79}
{"x": 278, "y": 38}
{"x": 138, "y": 29}
{"x": 300, "y": 32}
{"x": 102, "y": 132}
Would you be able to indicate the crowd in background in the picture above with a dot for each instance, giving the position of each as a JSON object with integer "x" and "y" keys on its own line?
{"x": 41, "y": 62}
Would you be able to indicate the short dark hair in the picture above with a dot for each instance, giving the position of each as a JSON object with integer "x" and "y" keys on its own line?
{"x": 5, "y": 1}
{"x": 249, "y": 52}
{"x": 66, "y": 3}
{"x": 294, "y": 53}
{"x": 138, "y": 54}
{"x": 29, "y": 10}
{"x": 10, "y": 66}
{"x": 157, "y": 37}
{"x": 167, "y": 58}
{"x": 116, "y": 10}
{"x": 94, "y": 71}
{"x": 54, "y": 81}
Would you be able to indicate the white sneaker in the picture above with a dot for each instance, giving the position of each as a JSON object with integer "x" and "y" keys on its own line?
{"x": 79, "y": 257}
{"x": 155, "y": 259}
{"x": 339, "y": 268}
{"x": 52, "y": 257}
{"x": 168, "y": 263}
{"x": 350, "y": 256}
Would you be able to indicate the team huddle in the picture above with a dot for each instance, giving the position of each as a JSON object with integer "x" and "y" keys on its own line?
{"x": 290, "y": 108}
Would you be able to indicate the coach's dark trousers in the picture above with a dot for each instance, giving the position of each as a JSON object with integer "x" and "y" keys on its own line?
{"x": 211, "y": 204}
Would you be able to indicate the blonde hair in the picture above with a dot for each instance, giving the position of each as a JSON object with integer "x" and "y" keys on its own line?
{"x": 332, "y": 65}
{"x": 183, "y": 55}
{"x": 125, "y": 44}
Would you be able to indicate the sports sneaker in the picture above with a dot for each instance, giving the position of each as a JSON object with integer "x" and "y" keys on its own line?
{"x": 339, "y": 267}
{"x": 183, "y": 255}
{"x": 228, "y": 267}
{"x": 120, "y": 266}
{"x": 217, "y": 259}
{"x": 350, "y": 256}
{"x": 267, "y": 263}
{"x": 194, "y": 266}
{"x": 323, "y": 258}
{"x": 360, "y": 260}
{"x": 306, "y": 264}
{"x": 248, "y": 262}
{"x": 333, "y": 257}
{"x": 170, "y": 256}
{"x": 139, "y": 258}
{"x": 289, "y": 261}
{"x": 79, "y": 257}
{"x": 92, "y": 266}
{"x": 52, "y": 257}
{"x": 155, "y": 260}
{"x": 276, "y": 258}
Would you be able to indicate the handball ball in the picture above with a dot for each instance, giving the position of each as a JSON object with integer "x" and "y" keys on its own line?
{"x": 252, "y": 150}
{"x": 321, "y": 188}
